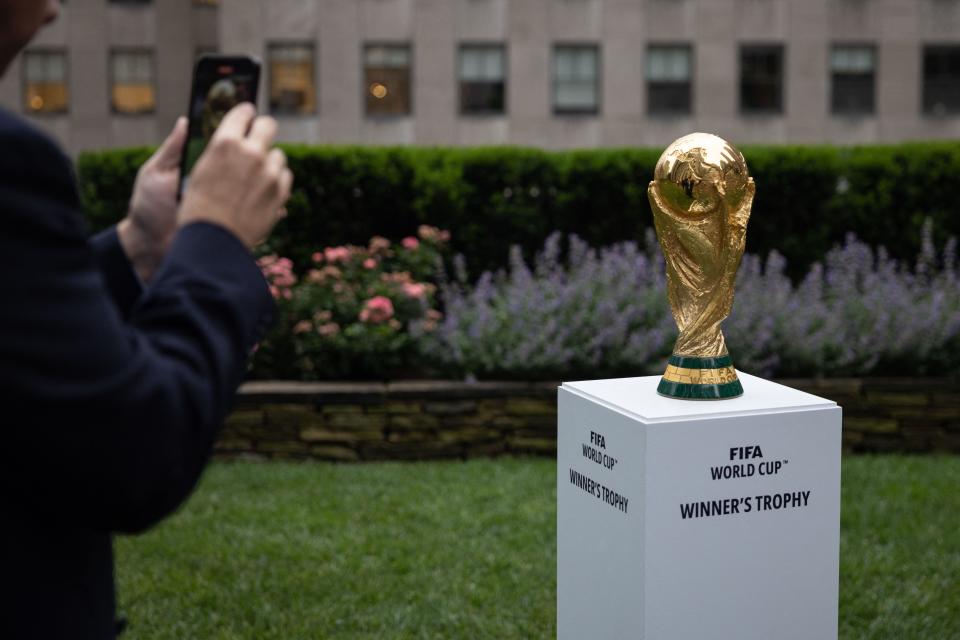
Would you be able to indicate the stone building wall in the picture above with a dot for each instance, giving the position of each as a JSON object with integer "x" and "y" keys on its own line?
{"x": 434, "y": 29}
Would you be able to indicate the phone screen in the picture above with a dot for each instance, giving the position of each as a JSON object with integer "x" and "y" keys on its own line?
{"x": 220, "y": 83}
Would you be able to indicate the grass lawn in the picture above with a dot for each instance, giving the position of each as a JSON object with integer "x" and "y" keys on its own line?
{"x": 467, "y": 550}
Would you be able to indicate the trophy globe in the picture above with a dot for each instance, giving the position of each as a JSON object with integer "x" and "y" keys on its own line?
{"x": 697, "y": 171}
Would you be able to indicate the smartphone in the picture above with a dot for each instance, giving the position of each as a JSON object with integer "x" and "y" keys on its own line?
{"x": 220, "y": 82}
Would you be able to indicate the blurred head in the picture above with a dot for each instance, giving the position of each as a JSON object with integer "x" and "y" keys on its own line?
{"x": 19, "y": 22}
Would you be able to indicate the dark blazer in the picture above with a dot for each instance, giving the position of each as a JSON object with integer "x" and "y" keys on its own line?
{"x": 110, "y": 395}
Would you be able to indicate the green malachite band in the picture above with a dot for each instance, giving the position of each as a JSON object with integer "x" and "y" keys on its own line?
{"x": 693, "y": 362}
{"x": 700, "y": 391}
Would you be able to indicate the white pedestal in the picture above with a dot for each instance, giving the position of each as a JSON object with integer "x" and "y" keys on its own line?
{"x": 651, "y": 546}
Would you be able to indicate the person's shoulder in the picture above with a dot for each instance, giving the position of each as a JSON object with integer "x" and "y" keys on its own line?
{"x": 32, "y": 161}
{"x": 26, "y": 136}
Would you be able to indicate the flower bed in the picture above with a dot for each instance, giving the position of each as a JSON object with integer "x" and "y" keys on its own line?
{"x": 390, "y": 310}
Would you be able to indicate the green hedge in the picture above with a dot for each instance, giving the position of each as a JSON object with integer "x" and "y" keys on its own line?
{"x": 808, "y": 197}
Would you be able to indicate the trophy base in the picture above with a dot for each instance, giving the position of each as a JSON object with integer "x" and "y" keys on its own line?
{"x": 658, "y": 555}
{"x": 695, "y": 378}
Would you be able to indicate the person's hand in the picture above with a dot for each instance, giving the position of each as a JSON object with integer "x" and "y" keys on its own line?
{"x": 239, "y": 182}
{"x": 146, "y": 232}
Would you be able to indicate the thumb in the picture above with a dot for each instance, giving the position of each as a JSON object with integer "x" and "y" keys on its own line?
{"x": 168, "y": 155}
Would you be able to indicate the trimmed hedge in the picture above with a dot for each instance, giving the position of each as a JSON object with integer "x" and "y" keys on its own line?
{"x": 808, "y": 198}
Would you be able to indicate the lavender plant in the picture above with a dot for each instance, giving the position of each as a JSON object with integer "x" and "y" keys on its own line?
{"x": 594, "y": 311}
{"x": 605, "y": 312}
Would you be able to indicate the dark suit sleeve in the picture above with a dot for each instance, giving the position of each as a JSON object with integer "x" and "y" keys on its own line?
{"x": 122, "y": 281}
{"x": 110, "y": 422}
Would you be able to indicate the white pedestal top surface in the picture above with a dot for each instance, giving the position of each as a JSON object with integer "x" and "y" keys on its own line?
{"x": 638, "y": 397}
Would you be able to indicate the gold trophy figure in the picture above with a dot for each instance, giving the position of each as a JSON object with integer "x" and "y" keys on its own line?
{"x": 701, "y": 196}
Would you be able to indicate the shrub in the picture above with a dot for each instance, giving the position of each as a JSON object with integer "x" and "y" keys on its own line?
{"x": 808, "y": 198}
{"x": 106, "y": 182}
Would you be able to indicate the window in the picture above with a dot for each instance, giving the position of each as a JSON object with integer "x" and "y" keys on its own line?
{"x": 45, "y": 82}
{"x": 669, "y": 76}
{"x": 761, "y": 79}
{"x": 482, "y": 72}
{"x": 386, "y": 74}
{"x": 576, "y": 79}
{"x": 853, "y": 69}
{"x": 941, "y": 80}
{"x": 292, "y": 88}
{"x": 133, "y": 89}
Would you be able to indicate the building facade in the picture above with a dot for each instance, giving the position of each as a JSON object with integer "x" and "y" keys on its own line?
{"x": 545, "y": 73}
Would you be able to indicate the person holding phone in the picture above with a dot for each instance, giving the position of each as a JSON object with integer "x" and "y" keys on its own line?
{"x": 119, "y": 356}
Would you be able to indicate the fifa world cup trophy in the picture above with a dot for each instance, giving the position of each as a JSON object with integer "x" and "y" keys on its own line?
{"x": 701, "y": 197}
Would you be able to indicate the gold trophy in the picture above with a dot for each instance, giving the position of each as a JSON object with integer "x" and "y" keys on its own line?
{"x": 701, "y": 196}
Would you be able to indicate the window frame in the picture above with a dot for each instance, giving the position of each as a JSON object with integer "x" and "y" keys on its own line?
{"x": 373, "y": 44}
{"x": 781, "y": 108}
{"x": 269, "y": 46}
{"x": 925, "y": 110}
{"x": 648, "y": 83}
{"x": 480, "y": 44}
{"x": 853, "y": 113}
{"x": 24, "y": 81}
{"x": 112, "y": 81}
{"x": 597, "y": 109}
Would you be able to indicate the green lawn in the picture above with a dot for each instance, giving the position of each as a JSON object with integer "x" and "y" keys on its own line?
{"x": 467, "y": 550}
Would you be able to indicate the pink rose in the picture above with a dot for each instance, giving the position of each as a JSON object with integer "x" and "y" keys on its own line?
{"x": 303, "y": 326}
{"x": 336, "y": 254}
{"x": 432, "y": 234}
{"x": 414, "y": 290}
{"x": 410, "y": 243}
{"x": 379, "y": 244}
{"x": 369, "y": 263}
{"x": 317, "y": 257}
{"x": 377, "y": 310}
{"x": 279, "y": 274}
{"x": 328, "y": 329}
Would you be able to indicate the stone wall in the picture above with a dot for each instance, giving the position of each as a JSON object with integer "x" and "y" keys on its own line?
{"x": 893, "y": 414}
{"x": 425, "y": 420}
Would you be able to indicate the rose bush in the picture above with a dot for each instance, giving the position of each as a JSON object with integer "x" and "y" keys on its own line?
{"x": 357, "y": 312}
